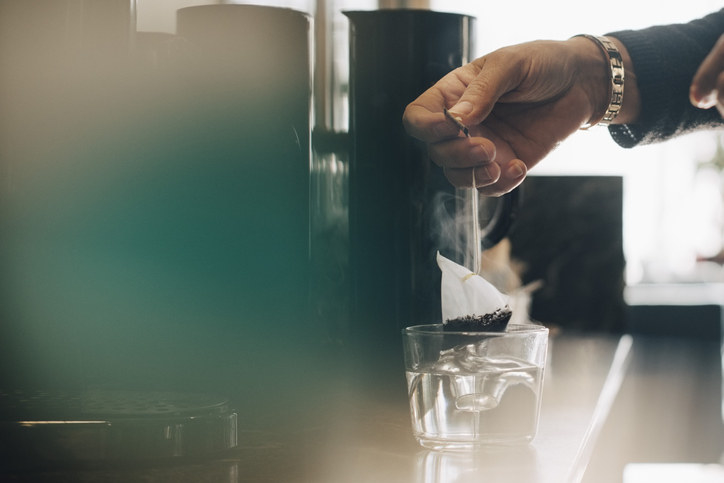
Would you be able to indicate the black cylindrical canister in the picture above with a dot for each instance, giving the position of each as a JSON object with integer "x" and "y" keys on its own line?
{"x": 395, "y": 191}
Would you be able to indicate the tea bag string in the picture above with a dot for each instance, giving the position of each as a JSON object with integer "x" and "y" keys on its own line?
{"x": 474, "y": 199}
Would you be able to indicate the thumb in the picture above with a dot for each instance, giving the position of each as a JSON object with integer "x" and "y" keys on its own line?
{"x": 487, "y": 87}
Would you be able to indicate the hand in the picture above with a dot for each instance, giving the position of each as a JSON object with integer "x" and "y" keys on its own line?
{"x": 707, "y": 87}
{"x": 519, "y": 102}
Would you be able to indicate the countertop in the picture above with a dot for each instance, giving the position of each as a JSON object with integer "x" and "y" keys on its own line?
{"x": 607, "y": 401}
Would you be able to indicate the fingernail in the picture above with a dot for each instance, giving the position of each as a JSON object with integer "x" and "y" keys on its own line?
{"x": 462, "y": 108}
{"x": 515, "y": 171}
{"x": 708, "y": 100}
{"x": 481, "y": 176}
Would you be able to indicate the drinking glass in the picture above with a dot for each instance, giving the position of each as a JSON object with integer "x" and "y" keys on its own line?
{"x": 471, "y": 389}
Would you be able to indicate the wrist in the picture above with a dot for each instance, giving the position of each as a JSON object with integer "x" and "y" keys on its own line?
{"x": 605, "y": 112}
{"x": 593, "y": 75}
{"x": 631, "y": 106}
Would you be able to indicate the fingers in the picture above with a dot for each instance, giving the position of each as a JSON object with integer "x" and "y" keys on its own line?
{"x": 495, "y": 173}
{"x": 707, "y": 87}
{"x": 463, "y": 177}
{"x": 426, "y": 125}
{"x": 461, "y": 156}
{"x": 462, "y": 152}
{"x": 472, "y": 90}
{"x": 512, "y": 175}
{"x": 491, "y": 179}
{"x": 424, "y": 118}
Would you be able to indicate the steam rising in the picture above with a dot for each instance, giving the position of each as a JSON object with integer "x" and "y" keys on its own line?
{"x": 451, "y": 226}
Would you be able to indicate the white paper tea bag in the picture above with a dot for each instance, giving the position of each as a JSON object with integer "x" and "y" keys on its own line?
{"x": 469, "y": 302}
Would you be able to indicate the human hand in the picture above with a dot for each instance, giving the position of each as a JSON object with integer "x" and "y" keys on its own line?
{"x": 707, "y": 87}
{"x": 519, "y": 103}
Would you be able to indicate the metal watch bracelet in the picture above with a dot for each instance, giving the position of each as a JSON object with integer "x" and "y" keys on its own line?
{"x": 616, "y": 79}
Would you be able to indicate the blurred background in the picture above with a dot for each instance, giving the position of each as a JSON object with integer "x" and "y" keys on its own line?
{"x": 102, "y": 174}
{"x": 122, "y": 202}
{"x": 207, "y": 201}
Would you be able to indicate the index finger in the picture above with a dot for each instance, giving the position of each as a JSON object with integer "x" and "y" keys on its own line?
{"x": 426, "y": 125}
{"x": 424, "y": 119}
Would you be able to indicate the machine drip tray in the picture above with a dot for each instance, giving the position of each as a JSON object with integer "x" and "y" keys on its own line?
{"x": 100, "y": 426}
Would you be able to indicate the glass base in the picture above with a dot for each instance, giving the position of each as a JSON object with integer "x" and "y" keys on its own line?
{"x": 448, "y": 445}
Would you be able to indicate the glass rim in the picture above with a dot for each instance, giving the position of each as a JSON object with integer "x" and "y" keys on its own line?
{"x": 436, "y": 329}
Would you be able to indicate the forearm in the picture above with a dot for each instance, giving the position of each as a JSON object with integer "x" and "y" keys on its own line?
{"x": 663, "y": 61}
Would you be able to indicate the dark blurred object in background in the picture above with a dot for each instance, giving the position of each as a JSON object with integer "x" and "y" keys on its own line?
{"x": 154, "y": 220}
{"x": 569, "y": 235}
{"x": 394, "y": 189}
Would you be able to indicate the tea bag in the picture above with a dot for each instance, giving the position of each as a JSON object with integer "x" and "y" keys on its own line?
{"x": 469, "y": 302}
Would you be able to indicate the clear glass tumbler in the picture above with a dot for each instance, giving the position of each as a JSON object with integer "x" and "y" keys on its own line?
{"x": 470, "y": 389}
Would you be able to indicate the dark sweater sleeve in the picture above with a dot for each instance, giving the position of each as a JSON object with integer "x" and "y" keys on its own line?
{"x": 665, "y": 59}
